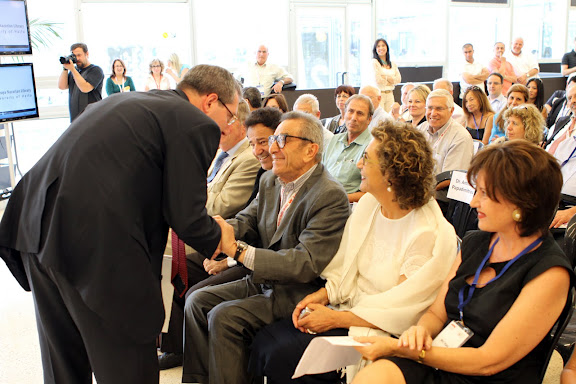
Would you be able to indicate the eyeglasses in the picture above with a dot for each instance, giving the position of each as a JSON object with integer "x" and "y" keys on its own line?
{"x": 233, "y": 118}
{"x": 474, "y": 88}
{"x": 281, "y": 139}
{"x": 437, "y": 109}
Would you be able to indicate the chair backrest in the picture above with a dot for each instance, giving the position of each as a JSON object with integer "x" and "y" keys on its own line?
{"x": 462, "y": 217}
{"x": 570, "y": 240}
{"x": 554, "y": 335}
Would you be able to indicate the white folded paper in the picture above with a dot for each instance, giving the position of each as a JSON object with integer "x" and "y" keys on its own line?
{"x": 326, "y": 354}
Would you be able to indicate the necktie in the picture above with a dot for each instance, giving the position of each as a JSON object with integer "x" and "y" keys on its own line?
{"x": 217, "y": 164}
{"x": 179, "y": 271}
{"x": 557, "y": 142}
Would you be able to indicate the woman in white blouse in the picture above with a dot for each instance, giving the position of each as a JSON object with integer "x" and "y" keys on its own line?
{"x": 386, "y": 73}
{"x": 396, "y": 250}
{"x": 157, "y": 80}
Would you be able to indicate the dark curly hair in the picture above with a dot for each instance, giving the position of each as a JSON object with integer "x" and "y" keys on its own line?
{"x": 524, "y": 175}
{"x": 405, "y": 158}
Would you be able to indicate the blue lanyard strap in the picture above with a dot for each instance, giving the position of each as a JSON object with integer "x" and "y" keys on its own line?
{"x": 569, "y": 157}
{"x": 461, "y": 302}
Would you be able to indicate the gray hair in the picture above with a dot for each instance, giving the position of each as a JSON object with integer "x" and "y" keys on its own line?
{"x": 365, "y": 99}
{"x": 443, "y": 93}
{"x": 444, "y": 81}
{"x": 406, "y": 86}
{"x": 206, "y": 79}
{"x": 310, "y": 100}
{"x": 311, "y": 128}
{"x": 243, "y": 111}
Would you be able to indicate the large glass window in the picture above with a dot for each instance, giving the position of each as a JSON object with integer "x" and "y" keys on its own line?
{"x": 136, "y": 33}
{"x": 541, "y": 23}
{"x": 414, "y": 29}
{"x": 228, "y": 32}
{"x": 481, "y": 26}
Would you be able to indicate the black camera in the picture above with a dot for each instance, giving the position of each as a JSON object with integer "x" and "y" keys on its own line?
{"x": 66, "y": 60}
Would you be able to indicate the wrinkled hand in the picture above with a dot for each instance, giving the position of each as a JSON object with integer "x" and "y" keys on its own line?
{"x": 228, "y": 240}
{"x": 380, "y": 346}
{"x": 214, "y": 267}
{"x": 562, "y": 217}
{"x": 278, "y": 87}
{"x": 321, "y": 319}
{"x": 416, "y": 338}
{"x": 318, "y": 297}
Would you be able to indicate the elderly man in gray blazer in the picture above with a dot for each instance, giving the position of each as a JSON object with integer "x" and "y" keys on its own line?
{"x": 294, "y": 227}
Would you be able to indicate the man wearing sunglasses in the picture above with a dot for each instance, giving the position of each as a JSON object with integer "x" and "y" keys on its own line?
{"x": 295, "y": 226}
{"x": 86, "y": 227}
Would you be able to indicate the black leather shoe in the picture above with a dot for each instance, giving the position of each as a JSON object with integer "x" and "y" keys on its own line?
{"x": 169, "y": 360}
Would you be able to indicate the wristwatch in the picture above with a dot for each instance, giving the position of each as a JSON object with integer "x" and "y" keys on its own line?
{"x": 240, "y": 247}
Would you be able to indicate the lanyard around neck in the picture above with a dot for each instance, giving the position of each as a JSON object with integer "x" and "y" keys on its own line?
{"x": 461, "y": 302}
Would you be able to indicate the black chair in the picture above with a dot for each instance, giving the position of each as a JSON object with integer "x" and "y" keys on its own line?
{"x": 462, "y": 217}
{"x": 551, "y": 340}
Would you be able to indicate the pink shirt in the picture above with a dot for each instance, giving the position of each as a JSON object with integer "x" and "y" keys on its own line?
{"x": 494, "y": 66}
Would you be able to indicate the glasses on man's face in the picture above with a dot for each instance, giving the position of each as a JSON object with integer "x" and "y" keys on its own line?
{"x": 233, "y": 118}
{"x": 437, "y": 109}
{"x": 281, "y": 139}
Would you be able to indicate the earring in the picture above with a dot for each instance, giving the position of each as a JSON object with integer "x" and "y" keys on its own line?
{"x": 516, "y": 215}
{"x": 389, "y": 189}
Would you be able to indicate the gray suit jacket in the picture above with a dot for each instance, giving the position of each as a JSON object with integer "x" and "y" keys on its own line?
{"x": 290, "y": 258}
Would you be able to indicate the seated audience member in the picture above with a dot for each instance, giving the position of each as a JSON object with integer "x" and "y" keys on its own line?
{"x": 375, "y": 96}
{"x": 252, "y": 96}
{"x": 230, "y": 185}
{"x": 447, "y": 85}
{"x": 452, "y": 145}
{"x": 267, "y": 77}
{"x": 517, "y": 94}
{"x": 297, "y": 222}
{"x": 510, "y": 304}
{"x": 524, "y": 63}
{"x": 559, "y": 129}
{"x": 400, "y": 112}
{"x": 417, "y": 104}
{"x": 557, "y": 106}
{"x": 568, "y": 65}
{"x": 563, "y": 148}
{"x": 536, "y": 95}
{"x": 478, "y": 114}
{"x": 337, "y": 124}
{"x": 500, "y": 65}
{"x": 175, "y": 69}
{"x": 473, "y": 72}
{"x": 345, "y": 149}
{"x": 396, "y": 251}
{"x": 118, "y": 81}
{"x": 495, "y": 96}
{"x": 308, "y": 103}
{"x": 276, "y": 101}
{"x": 523, "y": 122}
{"x": 157, "y": 80}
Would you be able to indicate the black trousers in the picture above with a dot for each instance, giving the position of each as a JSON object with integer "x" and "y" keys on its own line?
{"x": 173, "y": 340}
{"x": 74, "y": 341}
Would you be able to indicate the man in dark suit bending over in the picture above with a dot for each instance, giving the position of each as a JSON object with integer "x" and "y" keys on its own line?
{"x": 297, "y": 221}
{"x": 86, "y": 227}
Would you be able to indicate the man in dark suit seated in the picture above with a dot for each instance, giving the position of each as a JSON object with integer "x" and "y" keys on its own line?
{"x": 235, "y": 184}
{"x": 297, "y": 219}
{"x": 557, "y": 106}
{"x": 86, "y": 227}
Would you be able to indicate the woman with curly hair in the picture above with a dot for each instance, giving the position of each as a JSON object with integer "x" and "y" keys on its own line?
{"x": 523, "y": 122}
{"x": 394, "y": 253}
{"x": 517, "y": 94}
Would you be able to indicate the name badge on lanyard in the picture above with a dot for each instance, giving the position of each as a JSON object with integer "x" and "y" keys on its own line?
{"x": 456, "y": 333}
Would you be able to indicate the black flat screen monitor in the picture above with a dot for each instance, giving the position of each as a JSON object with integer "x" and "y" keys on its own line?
{"x": 14, "y": 28}
{"x": 17, "y": 92}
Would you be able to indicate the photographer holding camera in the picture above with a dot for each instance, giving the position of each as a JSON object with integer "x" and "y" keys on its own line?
{"x": 84, "y": 81}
